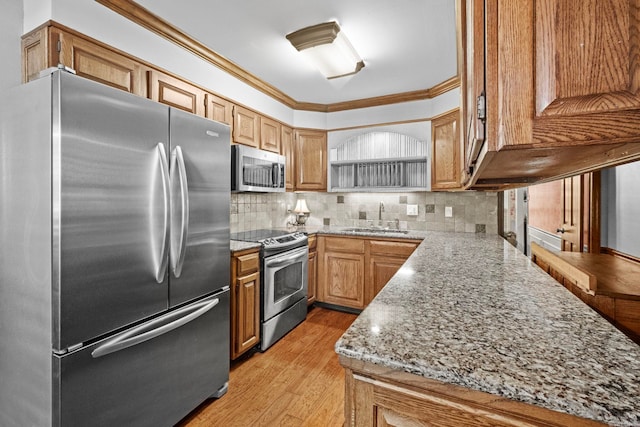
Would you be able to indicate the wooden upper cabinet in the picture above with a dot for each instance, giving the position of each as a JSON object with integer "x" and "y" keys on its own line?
{"x": 270, "y": 133}
{"x": 246, "y": 127}
{"x": 50, "y": 46}
{"x": 176, "y": 93}
{"x": 445, "y": 152}
{"x": 311, "y": 160}
{"x": 218, "y": 109}
{"x": 287, "y": 150}
{"x": 562, "y": 88}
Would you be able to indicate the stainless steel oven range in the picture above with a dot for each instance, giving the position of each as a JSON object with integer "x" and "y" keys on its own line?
{"x": 284, "y": 258}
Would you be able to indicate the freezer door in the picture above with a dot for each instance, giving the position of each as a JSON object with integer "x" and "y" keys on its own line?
{"x": 152, "y": 375}
{"x": 110, "y": 197}
{"x": 200, "y": 198}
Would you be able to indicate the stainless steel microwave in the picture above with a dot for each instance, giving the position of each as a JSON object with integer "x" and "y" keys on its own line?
{"x": 256, "y": 170}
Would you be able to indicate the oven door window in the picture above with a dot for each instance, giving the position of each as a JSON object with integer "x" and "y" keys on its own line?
{"x": 285, "y": 281}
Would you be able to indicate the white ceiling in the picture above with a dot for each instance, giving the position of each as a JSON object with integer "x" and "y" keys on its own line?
{"x": 406, "y": 45}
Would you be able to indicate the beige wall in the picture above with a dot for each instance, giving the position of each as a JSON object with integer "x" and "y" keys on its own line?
{"x": 472, "y": 211}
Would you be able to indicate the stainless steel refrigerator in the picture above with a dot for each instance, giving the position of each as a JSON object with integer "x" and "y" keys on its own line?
{"x": 114, "y": 257}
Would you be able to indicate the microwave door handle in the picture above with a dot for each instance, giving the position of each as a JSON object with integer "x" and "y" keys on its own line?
{"x": 275, "y": 175}
{"x": 178, "y": 161}
{"x": 155, "y": 328}
{"x": 164, "y": 251}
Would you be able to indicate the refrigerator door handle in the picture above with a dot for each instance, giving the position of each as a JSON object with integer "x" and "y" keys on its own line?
{"x": 177, "y": 160}
{"x": 164, "y": 252}
{"x": 155, "y": 328}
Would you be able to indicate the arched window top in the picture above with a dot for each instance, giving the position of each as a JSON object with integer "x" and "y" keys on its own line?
{"x": 379, "y": 145}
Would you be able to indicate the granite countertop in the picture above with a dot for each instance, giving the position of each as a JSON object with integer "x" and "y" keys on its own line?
{"x": 470, "y": 310}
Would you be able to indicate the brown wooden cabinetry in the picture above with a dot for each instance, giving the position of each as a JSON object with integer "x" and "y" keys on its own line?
{"x": 446, "y": 164}
{"x": 176, "y": 93}
{"x": 384, "y": 259}
{"x": 313, "y": 270}
{"x": 561, "y": 90}
{"x": 376, "y": 395}
{"x": 311, "y": 160}
{"x": 341, "y": 271}
{"x": 50, "y": 46}
{"x": 245, "y": 301}
{"x": 352, "y": 270}
{"x": 246, "y": 127}
{"x": 270, "y": 133}
{"x": 218, "y": 109}
{"x": 287, "y": 150}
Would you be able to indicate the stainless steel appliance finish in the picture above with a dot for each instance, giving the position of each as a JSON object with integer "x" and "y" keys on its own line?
{"x": 284, "y": 281}
{"x": 256, "y": 170}
{"x": 114, "y": 230}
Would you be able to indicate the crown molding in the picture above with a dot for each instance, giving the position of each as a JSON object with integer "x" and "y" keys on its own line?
{"x": 145, "y": 18}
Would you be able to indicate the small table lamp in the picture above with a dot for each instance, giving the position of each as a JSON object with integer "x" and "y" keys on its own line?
{"x": 302, "y": 212}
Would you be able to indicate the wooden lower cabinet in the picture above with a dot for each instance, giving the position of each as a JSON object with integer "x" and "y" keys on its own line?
{"x": 245, "y": 301}
{"x": 379, "y": 396}
{"x": 313, "y": 270}
{"x": 352, "y": 270}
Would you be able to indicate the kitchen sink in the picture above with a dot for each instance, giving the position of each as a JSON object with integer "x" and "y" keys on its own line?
{"x": 374, "y": 230}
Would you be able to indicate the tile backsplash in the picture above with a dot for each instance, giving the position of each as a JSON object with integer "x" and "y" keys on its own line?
{"x": 471, "y": 212}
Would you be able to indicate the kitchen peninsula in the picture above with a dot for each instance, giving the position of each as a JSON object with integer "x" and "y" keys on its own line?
{"x": 470, "y": 332}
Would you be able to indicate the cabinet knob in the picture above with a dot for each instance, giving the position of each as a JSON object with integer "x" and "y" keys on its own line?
{"x": 560, "y": 230}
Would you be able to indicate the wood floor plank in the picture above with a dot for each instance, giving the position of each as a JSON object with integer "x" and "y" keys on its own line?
{"x": 296, "y": 382}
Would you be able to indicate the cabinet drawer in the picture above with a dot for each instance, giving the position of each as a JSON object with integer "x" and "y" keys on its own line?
{"x": 344, "y": 244}
{"x": 396, "y": 249}
{"x": 247, "y": 264}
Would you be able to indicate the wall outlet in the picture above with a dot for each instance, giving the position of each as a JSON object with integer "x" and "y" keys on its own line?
{"x": 448, "y": 211}
{"x": 412, "y": 210}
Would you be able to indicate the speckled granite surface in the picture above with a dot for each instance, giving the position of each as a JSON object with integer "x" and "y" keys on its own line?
{"x": 468, "y": 309}
{"x": 237, "y": 245}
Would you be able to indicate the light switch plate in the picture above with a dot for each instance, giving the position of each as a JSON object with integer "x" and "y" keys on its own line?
{"x": 412, "y": 210}
{"x": 448, "y": 211}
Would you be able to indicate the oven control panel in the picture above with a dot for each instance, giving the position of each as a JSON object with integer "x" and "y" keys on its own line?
{"x": 287, "y": 238}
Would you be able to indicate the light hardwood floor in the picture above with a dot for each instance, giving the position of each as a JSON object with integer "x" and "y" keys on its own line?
{"x": 297, "y": 382}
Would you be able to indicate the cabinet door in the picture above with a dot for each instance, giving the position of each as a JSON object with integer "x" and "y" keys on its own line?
{"x": 95, "y": 62}
{"x": 445, "y": 152}
{"x": 270, "y": 135}
{"x": 311, "y": 160}
{"x": 246, "y": 127}
{"x": 312, "y": 281}
{"x": 247, "y": 318}
{"x": 381, "y": 270}
{"x": 343, "y": 276}
{"x": 585, "y": 67}
{"x": 286, "y": 149}
{"x": 36, "y": 54}
{"x": 176, "y": 93}
{"x": 218, "y": 109}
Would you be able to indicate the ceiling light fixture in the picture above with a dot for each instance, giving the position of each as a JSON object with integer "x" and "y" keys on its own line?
{"x": 328, "y": 49}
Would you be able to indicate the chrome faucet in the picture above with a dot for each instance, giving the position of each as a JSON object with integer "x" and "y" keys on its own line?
{"x": 380, "y": 210}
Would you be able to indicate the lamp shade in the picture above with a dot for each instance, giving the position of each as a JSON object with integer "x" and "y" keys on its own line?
{"x": 301, "y": 207}
{"x": 327, "y": 47}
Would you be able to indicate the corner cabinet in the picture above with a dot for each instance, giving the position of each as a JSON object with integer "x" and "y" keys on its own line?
{"x": 352, "y": 270}
{"x": 379, "y": 161}
{"x": 245, "y": 301}
{"x": 552, "y": 89}
{"x": 311, "y": 160}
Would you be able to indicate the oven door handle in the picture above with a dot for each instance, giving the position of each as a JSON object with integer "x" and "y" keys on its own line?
{"x": 280, "y": 261}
